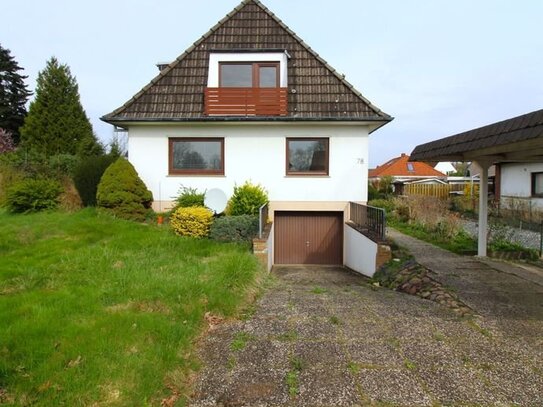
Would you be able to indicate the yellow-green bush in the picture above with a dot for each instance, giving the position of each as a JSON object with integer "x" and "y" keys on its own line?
{"x": 192, "y": 221}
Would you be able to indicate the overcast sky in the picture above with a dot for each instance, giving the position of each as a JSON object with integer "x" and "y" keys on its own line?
{"x": 439, "y": 67}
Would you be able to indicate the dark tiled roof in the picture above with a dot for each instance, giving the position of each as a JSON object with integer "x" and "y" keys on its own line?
{"x": 316, "y": 90}
{"x": 518, "y": 129}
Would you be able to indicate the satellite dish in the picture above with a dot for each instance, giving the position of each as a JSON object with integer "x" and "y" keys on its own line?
{"x": 216, "y": 200}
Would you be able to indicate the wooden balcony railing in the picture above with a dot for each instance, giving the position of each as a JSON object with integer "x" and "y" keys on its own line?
{"x": 246, "y": 101}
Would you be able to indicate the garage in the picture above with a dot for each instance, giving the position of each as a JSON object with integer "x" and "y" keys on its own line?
{"x": 308, "y": 237}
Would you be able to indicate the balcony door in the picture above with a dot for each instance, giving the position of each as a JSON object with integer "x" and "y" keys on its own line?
{"x": 249, "y": 75}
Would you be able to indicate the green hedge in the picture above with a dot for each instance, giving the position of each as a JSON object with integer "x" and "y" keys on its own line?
{"x": 242, "y": 228}
{"x": 87, "y": 175}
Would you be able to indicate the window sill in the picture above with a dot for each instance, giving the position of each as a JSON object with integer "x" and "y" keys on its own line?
{"x": 307, "y": 176}
{"x": 196, "y": 175}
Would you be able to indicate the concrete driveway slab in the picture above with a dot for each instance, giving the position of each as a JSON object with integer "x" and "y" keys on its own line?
{"x": 324, "y": 336}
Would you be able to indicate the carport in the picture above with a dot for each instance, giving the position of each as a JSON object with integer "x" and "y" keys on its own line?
{"x": 519, "y": 140}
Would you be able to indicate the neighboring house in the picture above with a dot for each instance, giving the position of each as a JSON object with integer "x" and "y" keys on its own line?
{"x": 520, "y": 186}
{"x": 446, "y": 167}
{"x": 251, "y": 101}
{"x": 404, "y": 171}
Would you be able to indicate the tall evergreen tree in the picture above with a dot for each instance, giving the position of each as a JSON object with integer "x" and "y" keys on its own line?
{"x": 56, "y": 122}
{"x": 13, "y": 94}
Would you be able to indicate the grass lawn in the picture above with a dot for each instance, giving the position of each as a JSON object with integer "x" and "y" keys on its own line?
{"x": 99, "y": 311}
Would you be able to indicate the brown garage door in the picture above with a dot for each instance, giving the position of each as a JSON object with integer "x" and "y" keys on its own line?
{"x": 308, "y": 237}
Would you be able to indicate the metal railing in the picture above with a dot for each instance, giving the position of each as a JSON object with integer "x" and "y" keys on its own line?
{"x": 368, "y": 219}
{"x": 262, "y": 219}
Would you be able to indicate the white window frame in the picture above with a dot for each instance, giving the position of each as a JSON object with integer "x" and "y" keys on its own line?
{"x": 215, "y": 58}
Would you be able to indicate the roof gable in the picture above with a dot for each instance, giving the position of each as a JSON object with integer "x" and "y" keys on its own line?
{"x": 402, "y": 167}
{"x": 315, "y": 90}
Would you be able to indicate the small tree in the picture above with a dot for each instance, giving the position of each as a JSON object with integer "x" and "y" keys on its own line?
{"x": 385, "y": 185}
{"x": 122, "y": 193}
{"x": 13, "y": 95}
{"x": 56, "y": 122}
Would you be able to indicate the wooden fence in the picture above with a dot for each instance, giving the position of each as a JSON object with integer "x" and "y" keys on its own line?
{"x": 437, "y": 190}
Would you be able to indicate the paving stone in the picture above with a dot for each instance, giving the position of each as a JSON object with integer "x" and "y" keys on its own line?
{"x": 393, "y": 386}
{"x": 327, "y": 387}
{"x": 452, "y": 385}
{"x": 270, "y": 353}
{"x": 325, "y": 353}
{"x": 266, "y": 326}
{"x": 315, "y": 328}
{"x": 255, "y": 387}
{"x": 374, "y": 354}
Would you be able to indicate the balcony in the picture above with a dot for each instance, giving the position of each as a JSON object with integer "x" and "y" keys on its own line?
{"x": 246, "y": 101}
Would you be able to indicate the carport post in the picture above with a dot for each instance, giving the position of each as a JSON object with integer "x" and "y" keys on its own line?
{"x": 483, "y": 209}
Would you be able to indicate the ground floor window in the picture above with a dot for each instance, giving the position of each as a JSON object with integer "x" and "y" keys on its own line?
{"x": 307, "y": 156}
{"x": 196, "y": 156}
{"x": 537, "y": 184}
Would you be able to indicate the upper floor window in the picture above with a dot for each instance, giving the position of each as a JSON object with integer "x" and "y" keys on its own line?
{"x": 249, "y": 75}
{"x": 196, "y": 156}
{"x": 307, "y": 156}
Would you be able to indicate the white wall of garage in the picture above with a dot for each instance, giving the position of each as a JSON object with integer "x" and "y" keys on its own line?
{"x": 360, "y": 252}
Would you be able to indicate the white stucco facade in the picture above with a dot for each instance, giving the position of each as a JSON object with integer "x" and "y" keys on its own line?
{"x": 256, "y": 152}
{"x": 516, "y": 183}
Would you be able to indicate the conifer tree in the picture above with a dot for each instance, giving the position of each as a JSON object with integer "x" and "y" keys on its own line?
{"x": 13, "y": 94}
{"x": 56, "y": 122}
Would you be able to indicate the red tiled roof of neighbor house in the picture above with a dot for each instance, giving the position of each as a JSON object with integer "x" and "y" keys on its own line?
{"x": 316, "y": 91}
{"x": 402, "y": 167}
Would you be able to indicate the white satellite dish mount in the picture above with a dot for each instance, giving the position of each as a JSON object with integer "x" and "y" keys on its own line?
{"x": 216, "y": 200}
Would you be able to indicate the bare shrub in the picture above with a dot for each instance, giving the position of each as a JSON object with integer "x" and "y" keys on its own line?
{"x": 429, "y": 212}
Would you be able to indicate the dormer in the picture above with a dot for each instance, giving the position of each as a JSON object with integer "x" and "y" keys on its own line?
{"x": 247, "y": 83}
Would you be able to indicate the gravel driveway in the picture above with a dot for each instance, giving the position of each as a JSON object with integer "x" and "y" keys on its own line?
{"x": 326, "y": 337}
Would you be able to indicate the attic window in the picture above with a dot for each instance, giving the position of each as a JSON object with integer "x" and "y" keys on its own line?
{"x": 247, "y": 75}
{"x": 410, "y": 167}
{"x": 247, "y": 69}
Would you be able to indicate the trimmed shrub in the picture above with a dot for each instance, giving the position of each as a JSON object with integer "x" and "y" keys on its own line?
{"x": 189, "y": 197}
{"x": 192, "y": 222}
{"x": 33, "y": 195}
{"x": 247, "y": 199}
{"x": 87, "y": 175}
{"x": 240, "y": 228}
{"x": 122, "y": 193}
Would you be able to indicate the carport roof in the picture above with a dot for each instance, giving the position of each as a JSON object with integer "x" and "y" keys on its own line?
{"x": 516, "y": 139}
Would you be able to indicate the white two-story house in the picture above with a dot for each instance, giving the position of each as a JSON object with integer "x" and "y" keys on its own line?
{"x": 250, "y": 100}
